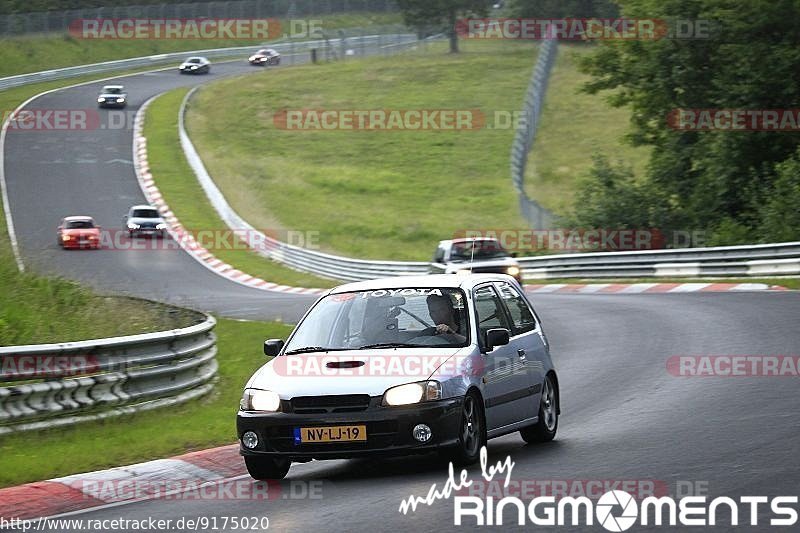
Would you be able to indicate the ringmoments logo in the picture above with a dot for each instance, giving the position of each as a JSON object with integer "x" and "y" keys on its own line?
{"x": 615, "y": 509}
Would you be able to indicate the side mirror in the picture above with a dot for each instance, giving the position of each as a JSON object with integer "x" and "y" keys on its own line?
{"x": 496, "y": 337}
{"x": 273, "y": 347}
{"x": 125, "y": 218}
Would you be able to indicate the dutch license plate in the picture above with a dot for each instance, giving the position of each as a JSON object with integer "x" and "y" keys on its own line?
{"x": 331, "y": 434}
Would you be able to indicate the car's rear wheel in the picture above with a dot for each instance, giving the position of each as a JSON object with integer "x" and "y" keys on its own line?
{"x": 266, "y": 468}
{"x": 545, "y": 429}
{"x": 471, "y": 432}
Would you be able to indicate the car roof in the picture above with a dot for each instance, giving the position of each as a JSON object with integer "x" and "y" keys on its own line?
{"x": 196, "y": 57}
{"x": 142, "y": 206}
{"x": 113, "y": 87}
{"x": 465, "y": 281}
{"x": 461, "y": 240}
{"x": 75, "y": 218}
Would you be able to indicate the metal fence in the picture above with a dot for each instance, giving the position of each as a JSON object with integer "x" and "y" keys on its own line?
{"x": 59, "y": 21}
{"x": 47, "y": 385}
{"x": 353, "y": 39}
{"x": 537, "y": 216}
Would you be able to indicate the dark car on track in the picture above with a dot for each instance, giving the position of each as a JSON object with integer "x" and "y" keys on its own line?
{"x": 112, "y": 96}
{"x": 474, "y": 255}
{"x": 144, "y": 220}
{"x": 400, "y": 366}
{"x": 195, "y": 65}
{"x": 265, "y": 56}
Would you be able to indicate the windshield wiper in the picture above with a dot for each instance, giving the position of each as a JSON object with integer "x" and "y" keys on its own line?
{"x": 388, "y": 345}
{"x": 307, "y": 349}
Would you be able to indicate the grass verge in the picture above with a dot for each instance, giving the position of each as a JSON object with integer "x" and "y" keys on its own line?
{"x": 574, "y": 126}
{"x": 20, "y": 55}
{"x": 209, "y": 421}
{"x": 388, "y": 194}
{"x": 183, "y": 194}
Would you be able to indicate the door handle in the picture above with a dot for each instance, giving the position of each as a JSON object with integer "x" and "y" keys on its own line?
{"x": 521, "y": 353}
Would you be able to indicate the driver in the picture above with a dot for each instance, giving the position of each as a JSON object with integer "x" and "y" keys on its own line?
{"x": 442, "y": 314}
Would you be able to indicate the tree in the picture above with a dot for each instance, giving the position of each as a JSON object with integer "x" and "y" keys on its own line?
{"x": 430, "y": 16}
{"x": 718, "y": 180}
{"x": 564, "y": 9}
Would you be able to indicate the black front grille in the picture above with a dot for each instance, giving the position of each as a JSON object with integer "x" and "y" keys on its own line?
{"x": 343, "y": 403}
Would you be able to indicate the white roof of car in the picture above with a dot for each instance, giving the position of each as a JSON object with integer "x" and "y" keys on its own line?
{"x": 77, "y": 217}
{"x": 105, "y": 87}
{"x": 143, "y": 206}
{"x": 464, "y": 281}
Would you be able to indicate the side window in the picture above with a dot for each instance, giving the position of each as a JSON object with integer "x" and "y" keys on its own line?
{"x": 489, "y": 311}
{"x": 518, "y": 309}
{"x": 439, "y": 256}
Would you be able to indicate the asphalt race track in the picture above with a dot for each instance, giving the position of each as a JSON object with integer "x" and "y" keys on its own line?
{"x": 625, "y": 417}
{"x": 55, "y": 173}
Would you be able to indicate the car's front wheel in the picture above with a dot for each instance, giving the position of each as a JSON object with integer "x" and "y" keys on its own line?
{"x": 266, "y": 468}
{"x": 545, "y": 429}
{"x": 471, "y": 432}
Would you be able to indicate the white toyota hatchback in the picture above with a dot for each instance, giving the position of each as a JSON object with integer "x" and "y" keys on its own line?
{"x": 399, "y": 366}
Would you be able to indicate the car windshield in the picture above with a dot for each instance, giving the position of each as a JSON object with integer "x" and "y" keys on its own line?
{"x": 193, "y": 60}
{"x": 112, "y": 90}
{"x": 78, "y": 224}
{"x": 145, "y": 213}
{"x": 483, "y": 249}
{"x": 408, "y": 317}
{"x": 263, "y": 52}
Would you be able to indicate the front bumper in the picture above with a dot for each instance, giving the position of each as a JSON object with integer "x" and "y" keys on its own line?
{"x": 389, "y": 431}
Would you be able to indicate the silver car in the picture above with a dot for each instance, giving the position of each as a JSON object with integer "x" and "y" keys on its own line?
{"x": 398, "y": 366}
{"x": 144, "y": 220}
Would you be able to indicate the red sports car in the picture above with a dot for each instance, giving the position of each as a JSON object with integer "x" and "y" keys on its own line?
{"x": 78, "y": 232}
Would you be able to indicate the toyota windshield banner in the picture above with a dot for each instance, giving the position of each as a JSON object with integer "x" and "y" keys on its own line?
{"x": 399, "y": 265}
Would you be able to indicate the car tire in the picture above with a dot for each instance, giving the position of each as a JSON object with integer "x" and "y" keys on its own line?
{"x": 471, "y": 432}
{"x": 267, "y": 468}
{"x": 545, "y": 429}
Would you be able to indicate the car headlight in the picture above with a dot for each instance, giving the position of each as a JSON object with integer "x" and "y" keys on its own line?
{"x": 512, "y": 271}
{"x": 131, "y": 225}
{"x": 260, "y": 400}
{"x": 411, "y": 393}
{"x": 193, "y": 67}
{"x": 101, "y": 100}
{"x": 161, "y": 226}
{"x": 66, "y": 237}
{"x": 120, "y": 100}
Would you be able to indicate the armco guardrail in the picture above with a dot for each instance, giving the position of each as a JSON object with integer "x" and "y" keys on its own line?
{"x": 288, "y": 49}
{"x": 302, "y": 259}
{"x": 751, "y": 260}
{"x": 46, "y": 385}
{"x": 755, "y": 260}
{"x": 536, "y": 215}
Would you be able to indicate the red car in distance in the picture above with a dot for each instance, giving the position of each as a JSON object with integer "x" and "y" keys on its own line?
{"x": 78, "y": 232}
